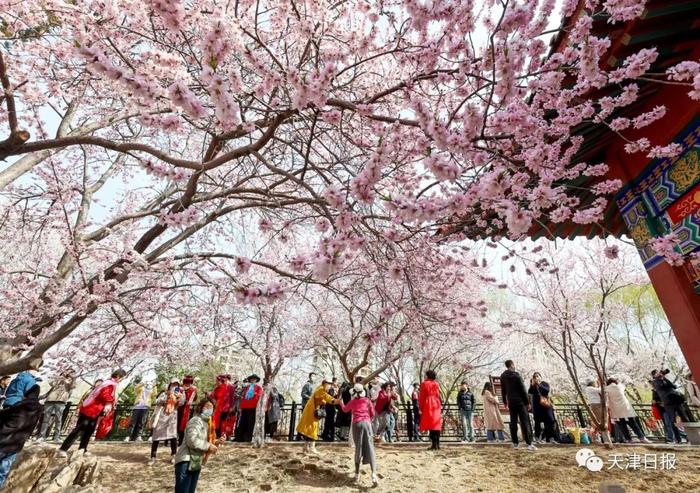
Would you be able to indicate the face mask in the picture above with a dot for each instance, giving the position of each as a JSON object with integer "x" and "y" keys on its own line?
{"x": 207, "y": 413}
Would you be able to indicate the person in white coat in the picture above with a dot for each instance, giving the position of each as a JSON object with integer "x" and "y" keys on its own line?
{"x": 165, "y": 419}
{"x": 693, "y": 392}
{"x": 621, "y": 411}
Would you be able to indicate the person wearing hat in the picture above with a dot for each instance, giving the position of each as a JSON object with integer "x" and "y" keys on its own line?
{"x": 250, "y": 395}
{"x": 183, "y": 411}
{"x": 143, "y": 395}
{"x": 313, "y": 412}
{"x": 224, "y": 400}
{"x": 228, "y": 420}
{"x": 165, "y": 419}
{"x": 363, "y": 412}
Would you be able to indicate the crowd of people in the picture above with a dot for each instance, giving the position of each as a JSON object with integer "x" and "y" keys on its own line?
{"x": 363, "y": 412}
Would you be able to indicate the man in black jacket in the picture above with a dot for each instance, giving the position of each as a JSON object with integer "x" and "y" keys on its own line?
{"x": 16, "y": 424}
{"x": 672, "y": 400}
{"x": 516, "y": 400}
{"x": 466, "y": 404}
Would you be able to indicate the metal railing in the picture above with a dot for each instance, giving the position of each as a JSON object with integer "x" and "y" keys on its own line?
{"x": 567, "y": 416}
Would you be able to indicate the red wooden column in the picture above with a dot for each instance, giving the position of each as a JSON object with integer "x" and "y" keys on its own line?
{"x": 682, "y": 307}
{"x": 672, "y": 284}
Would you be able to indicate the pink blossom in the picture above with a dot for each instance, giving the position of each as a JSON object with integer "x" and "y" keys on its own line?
{"x": 665, "y": 246}
{"x": 519, "y": 221}
{"x": 611, "y": 251}
{"x": 298, "y": 263}
{"x": 243, "y": 265}
{"x": 265, "y": 225}
{"x": 322, "y": 224}
{"x": 649, "y": 117}
{"x": 607, "y": 187}
{"x": 671, "y": 150}
{"x": 395, "y": 272}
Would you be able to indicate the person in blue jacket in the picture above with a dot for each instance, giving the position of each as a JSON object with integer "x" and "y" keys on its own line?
{"x": 19, "y": 387}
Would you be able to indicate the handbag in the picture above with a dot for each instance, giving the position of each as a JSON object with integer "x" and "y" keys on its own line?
{"x": 105, "y": 425}
{"x": 320, "y": 412}
{"x": 545, "y": 402}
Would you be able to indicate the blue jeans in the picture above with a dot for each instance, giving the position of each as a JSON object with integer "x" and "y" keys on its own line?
{"x": 6, "y": 462}
{"x": 467, "y": 429}
{"x": 491, "y": 435}
{"x": 390, "y": 427}
{"x": 670, "y": 424}
{"x": 185, "y": 481}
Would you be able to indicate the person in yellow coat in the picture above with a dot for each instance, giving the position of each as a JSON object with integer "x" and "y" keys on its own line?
{"x": 313, "y": 412}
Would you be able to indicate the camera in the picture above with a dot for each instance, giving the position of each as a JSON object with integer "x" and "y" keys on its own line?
{"x": 665, "y": 372}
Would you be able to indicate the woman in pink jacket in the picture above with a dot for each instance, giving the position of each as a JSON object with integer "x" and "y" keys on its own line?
{"x": 362, "y": 413}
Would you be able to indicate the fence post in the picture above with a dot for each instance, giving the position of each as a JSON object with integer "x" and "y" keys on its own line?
{"x": 581, "y": 420}
{"x": 409, "y": 421}
{"x": 292, "y": 419}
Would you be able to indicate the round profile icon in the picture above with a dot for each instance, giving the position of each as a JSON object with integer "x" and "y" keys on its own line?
{"x": 594, "y": 464}
{"x": 583, "y": 455}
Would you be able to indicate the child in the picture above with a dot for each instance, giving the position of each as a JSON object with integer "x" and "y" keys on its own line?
{"x": 362, "y": 413}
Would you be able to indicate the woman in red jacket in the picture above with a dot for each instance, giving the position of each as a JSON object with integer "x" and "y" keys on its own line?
{"x": 221, "y": 409}
{"x": 100, "y": 401}
{"x": 431, "y": 408}
{"x": 249, "y": 401}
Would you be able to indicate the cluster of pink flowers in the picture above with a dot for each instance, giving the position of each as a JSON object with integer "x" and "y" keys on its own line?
{"x": 624, "y": 10}
{"x": 325, "y": 264}
{"x": 362, "y": 186}
{"x": 172, "y": 12}
{"x": 298, "y": 263}
{"x": 166, "y": 122}
{"x": 332, "y": 253}
{"x": 181, "y": 96}
{"x": 649, "y": 117}
{"x": 597, "y": 169}
{"x": 165, "y": 171}
{"x": 145, "y": 90}
{"x": 333, "y": 116}
{"x": 225, "y": 106}
{"x": 179, "y": 219}
{"x": 215, "y": 47}
{"x": 269, "y": 294}
{"x": 334, "y": 197}
{"x": 519, "y": 221}
{"x": 639, "y": 145}
{"x": 688, "y": 70}
{"x": 670, "y": 150}
{"x": 443, "y": 168}
{"x": 607, "y": 187}
{"x": 639, "y": 63}
{"x": 665, "y": 246}
{"x": 311, "y": 88}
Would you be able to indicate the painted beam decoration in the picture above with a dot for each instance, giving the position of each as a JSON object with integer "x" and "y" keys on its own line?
{"x": 665, "y": 198}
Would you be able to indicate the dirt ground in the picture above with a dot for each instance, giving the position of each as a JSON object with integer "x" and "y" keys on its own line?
{"x": 402, "y": 467}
